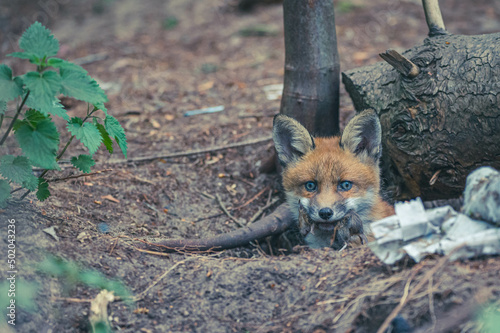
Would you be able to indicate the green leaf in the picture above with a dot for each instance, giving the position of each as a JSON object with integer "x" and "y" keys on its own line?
{"x": 81, "y": 86}
{"x": 87, "y": 133}
{"x": 63, "y": 64}
{"x": 116, "y": 131}
{"x": 18, "y": 170}
{"x": 100, "y": 106}
{"x": 3, "y": 107}
{"x": 53, "y": 107}
{"x": 38, "y": 137}
{"x": 4, "y": 192}
{"x": 9, "y": 89}
{"x": 33, "y": 116}
{"x": 39, "y": 41}
{"x": 43, "y": 87}
{"x": 24, "y": 55}
{"x": 83, "y": 163}
{"x": 105, "y": 137}
{"x": 43, "y": 189}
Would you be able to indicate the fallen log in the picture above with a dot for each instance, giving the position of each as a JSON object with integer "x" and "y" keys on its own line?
{"x": 440, "y": 119}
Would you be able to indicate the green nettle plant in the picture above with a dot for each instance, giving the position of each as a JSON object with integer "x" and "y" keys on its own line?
{"x": 37, "y": 95}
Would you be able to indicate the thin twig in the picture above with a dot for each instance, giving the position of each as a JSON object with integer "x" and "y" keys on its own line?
{"x": 156, "y": 253}
{"x": 434, "y": 177}
{"x": 224, "y": 209}
{"x": 143, "y": 293}
{"x": 405, "y": 298}
{"x": 262, "y": 210}
{"x": 78, "y": 176}
{"x": 70, "y": 299}
{"x": 252, "y": 198}
{"x": 207, "y": 217}
{"x": 114, "y": 245}
{"x": 16, "y": 189}
{"x": 191, "y": 152}
{"x": 431, "y": 303}
{"x": 25, "y": 195}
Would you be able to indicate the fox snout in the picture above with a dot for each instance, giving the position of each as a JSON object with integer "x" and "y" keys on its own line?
{"x": 325, "y": 213}
{"x": 328, "y": 214}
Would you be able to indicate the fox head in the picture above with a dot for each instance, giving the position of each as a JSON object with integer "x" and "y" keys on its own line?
{"x": 330, "y": 178}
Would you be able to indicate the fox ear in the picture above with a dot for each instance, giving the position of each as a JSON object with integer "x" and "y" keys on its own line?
{"x": 291, "y": 139}
{"x": 363, "y": 136}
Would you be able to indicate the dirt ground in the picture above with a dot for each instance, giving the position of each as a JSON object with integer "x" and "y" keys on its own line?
{"x": 158, "y": 59}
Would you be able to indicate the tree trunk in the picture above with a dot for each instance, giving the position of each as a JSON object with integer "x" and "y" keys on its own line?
{"x": 311, "y": 83}
{"x": 439, "y": 124}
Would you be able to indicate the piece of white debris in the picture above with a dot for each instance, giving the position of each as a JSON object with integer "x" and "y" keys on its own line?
{"x": 416, "y": 232}
{"x": 51, "y": 231}
{"x": 212, "y": 109}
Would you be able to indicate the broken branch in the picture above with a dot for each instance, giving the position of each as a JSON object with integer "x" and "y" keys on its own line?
{"x": 402, "y": 64}
{"x": 274, "y": 224}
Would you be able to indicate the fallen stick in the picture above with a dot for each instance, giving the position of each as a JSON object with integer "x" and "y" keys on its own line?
{"x": 190, "y": 152}
{"x": 78, "y": 176}
{"x": 274, "y": 224}
{"x": 155, "y": 282}
{"x": 224, "y": 209}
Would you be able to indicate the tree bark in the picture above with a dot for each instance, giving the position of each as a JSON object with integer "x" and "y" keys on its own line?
{"x": 441, "y": 124}
{"x": 312, "y": 70}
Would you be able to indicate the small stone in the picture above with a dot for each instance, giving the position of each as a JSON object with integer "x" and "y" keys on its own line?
{"x": 482, "y": 195}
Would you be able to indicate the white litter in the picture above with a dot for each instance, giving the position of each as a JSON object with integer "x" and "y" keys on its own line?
{"x": 416, "y": 232}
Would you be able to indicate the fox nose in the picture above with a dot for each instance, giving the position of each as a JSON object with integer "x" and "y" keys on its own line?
{"x": 325, "y": 213}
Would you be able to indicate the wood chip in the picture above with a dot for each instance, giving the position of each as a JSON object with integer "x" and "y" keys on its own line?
{"x": 110, "y": 198}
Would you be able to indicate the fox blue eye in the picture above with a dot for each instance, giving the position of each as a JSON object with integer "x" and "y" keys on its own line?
{"x": 345, "y": 185}
{"x": 310, "y": 186}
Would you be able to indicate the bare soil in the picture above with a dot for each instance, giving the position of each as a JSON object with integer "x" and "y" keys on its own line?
{"x": 158, "y": 59}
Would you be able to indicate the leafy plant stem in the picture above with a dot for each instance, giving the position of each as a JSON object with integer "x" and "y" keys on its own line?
{"x": 60, "y": 155}
{"x": 64, "y": 149}
{"x": 14, "y": 119}
{"x": 1, "y": 121}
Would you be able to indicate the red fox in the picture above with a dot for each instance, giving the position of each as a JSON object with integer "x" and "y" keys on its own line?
{"x": 332, "y": 180}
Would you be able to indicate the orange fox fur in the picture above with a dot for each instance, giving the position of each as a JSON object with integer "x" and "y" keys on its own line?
{"x": 331, "y": 178}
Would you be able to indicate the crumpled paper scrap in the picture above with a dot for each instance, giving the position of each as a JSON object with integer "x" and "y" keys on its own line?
{"x": 416, "y": 232}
